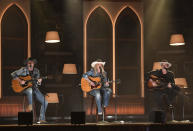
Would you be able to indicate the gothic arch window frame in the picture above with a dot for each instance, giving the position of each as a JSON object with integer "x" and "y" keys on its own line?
{"x": 29, "y": 37}
{"x": 142, "y": 45}
{"x": 113, "y": 20}
{"x": 85, "y": 34}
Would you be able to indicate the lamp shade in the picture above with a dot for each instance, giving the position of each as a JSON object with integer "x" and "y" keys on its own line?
{"x": 156, "y": 66}
{"x": 181, "y": 82}
{"x": 52, "y": 98}
{"x": 69, "y": 69}
{"x": 177, "y": 40}
{"x": 52, "y": 37}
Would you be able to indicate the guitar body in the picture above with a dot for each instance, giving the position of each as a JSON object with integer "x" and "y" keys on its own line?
{"x": 150, "y": 84}
{"x": 17, "y": 87}
{"x": 85, "y": 85}
{"x": 155, "y": 80}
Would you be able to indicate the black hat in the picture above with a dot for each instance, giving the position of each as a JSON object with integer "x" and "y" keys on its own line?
{"x": 30, "y": 59}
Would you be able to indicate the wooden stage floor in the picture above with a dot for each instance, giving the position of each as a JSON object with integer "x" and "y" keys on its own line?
{"x": 102, "y": 126}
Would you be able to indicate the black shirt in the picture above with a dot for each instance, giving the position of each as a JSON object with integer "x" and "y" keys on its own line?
{"x": 165, "y": 78}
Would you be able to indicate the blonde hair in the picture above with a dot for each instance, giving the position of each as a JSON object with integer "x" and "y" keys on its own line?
{"x": 95, "y": 70}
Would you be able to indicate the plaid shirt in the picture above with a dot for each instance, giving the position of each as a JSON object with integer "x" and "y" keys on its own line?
{"x": 23, "y": 71}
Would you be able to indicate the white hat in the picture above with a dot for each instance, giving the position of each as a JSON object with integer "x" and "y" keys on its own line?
{"x": 166, "y": 62}
{"x": 98, "y": 61}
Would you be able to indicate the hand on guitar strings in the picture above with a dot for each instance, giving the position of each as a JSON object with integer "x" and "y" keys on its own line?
{"x": 22, "y": 82}
{"x": 169, "y": 85}
{"x": 39, "y": 81}
{"x": 92, "y": 83}
{"x": 153, "y": 83}
{"x": 107, "y": 83}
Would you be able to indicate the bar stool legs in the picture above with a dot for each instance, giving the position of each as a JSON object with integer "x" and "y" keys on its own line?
{"x": 24, "y": 109}
{"x": 171, "y": 107}
{"x": 104, "y": 113}
{"x": 91, "y": 110}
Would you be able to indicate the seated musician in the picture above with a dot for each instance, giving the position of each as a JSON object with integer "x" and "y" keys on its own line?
{"x": 104, "y": 92}
{"x": 30, "y": 70}
{"x": 163, "y": 86}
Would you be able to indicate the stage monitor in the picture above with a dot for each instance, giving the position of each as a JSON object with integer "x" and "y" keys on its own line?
{"x": 78, "y": 117}
{"x": 157, "y": 116}
{"x": 25, "y": 118}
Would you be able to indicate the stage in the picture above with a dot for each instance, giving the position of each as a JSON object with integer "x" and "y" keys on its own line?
{"x": 103, "y": 126}
{"x": 100, "y": 126}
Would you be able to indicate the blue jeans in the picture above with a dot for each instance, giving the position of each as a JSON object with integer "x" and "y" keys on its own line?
{"x": 106, "y": 92}
{"x": 40, "y": 97}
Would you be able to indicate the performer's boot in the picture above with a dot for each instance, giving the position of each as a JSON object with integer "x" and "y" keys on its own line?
{"x": 171, "y": 108}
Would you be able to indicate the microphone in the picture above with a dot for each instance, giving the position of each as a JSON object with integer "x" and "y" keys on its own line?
{"x": 100, "y": 69}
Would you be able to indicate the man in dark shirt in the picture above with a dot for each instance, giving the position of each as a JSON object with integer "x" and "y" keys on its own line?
{"x": 162, "y": 86}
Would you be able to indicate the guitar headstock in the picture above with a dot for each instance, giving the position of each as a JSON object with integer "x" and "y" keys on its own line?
{"x": 118, "y": 81}
{"x": 48, "y": 77}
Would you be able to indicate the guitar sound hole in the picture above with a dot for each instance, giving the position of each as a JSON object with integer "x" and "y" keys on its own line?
{"x": 92, "y": 87}
{"x": 24, "y": 85}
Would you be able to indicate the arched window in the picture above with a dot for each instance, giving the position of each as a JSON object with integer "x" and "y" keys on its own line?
{"x": 99, "y": 39}
{"x": 128, "y": 52}
{"x": 14, "y": 44}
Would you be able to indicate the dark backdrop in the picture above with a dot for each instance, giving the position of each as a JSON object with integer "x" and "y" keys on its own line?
{"x": 65, "y": 16}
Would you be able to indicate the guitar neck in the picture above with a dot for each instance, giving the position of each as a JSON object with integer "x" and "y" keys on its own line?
{"x": 118, "y": 81}
{"x": 45, "y": 77}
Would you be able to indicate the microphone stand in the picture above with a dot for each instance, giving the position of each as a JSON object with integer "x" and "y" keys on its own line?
{"x": 44, "y": 94}
{"x": 115, "y": 108}
{"x": 183, "y": 112}
{"x": 103, "y": 114}
{"x": 33, "y": 106}
{"x": 116, "y": 121}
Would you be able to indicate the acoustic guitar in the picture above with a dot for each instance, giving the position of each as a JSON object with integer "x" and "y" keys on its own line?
{"x": 86, "y": 87}
{"x": 159, "y": 82}
{"x": 17, "y": 87}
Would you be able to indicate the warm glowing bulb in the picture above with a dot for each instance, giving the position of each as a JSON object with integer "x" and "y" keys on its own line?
{"x": 52, "y": 41}
{"x": 177, "y": 44}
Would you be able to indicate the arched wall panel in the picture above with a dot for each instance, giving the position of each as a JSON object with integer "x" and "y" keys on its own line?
{"x": 113, "y": 10}
{"x": 24, "y": 6}
{"x": 127, "y": 52}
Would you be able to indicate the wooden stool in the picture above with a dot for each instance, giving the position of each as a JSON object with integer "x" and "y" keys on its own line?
{"x": 53, "y": 98}
{"x": 97, "y": 116}
{"x": 91, "y": 109}
{"x": 24, "y": 109}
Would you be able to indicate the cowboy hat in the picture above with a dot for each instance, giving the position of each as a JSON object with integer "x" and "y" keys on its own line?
{"x": 30, "y": 59}
{"x": 166, "y": 62}
{"x": 98, "y": 61}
